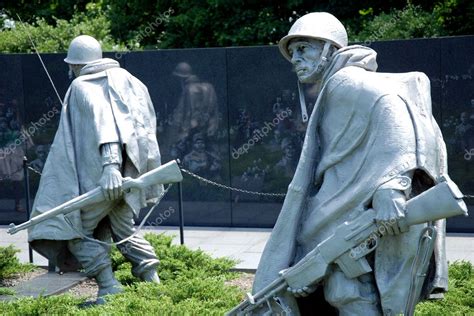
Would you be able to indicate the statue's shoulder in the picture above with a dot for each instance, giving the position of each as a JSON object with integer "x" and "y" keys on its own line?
{"x": 413, "y": 78}
{"x": 118, "y": 71}
{"x": 353, "y": 81}
{"x": 83, "y": 81}
{"x": 78, "y": 86}
{"x": 122, "y": 75}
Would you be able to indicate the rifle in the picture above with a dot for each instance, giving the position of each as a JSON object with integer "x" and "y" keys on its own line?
{"x": 167, "y": 173}
{"x": 351, "y": 242}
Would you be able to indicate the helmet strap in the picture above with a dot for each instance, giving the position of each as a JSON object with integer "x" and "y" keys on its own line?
{"x": 323, "y": 61}
{"x": 304, "y": 111}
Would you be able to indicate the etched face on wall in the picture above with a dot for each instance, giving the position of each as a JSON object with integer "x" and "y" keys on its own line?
{"x": 305, "y": 57}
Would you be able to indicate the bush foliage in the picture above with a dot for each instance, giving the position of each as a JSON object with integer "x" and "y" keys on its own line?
{"x": 193, "y": 283}
{"x": 460, "y": 298}
{"x": 9, "y": 263}
{"x": 55, "y": 37}
{"x": 138, "y": 24}
{"x": 406, "y": 23}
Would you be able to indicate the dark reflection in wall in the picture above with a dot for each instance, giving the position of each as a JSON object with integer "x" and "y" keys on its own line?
{"x": 188, "y": 90}
{"x": 266, "y": 133}
{"x": 14, "y": 142}
{"x": 457, "y": 92}
{"x": 42, "y": 108}
{"x": 232, "y": 116}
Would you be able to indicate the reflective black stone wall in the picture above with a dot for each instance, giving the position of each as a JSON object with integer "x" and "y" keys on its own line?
{"x": 230, "y": 115}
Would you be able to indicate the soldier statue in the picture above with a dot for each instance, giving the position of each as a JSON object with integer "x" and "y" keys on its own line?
{"x": 107, "y": 132}
{"x": 371, "y": 143}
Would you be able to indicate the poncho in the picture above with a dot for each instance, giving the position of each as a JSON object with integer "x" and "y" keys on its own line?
{"x": 104, "y": 104}
{"x": 365, "y": 129}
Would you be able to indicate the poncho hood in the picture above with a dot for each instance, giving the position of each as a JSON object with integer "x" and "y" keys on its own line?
{"x": 98, "y": 66}
{"x": 355, "y": 55}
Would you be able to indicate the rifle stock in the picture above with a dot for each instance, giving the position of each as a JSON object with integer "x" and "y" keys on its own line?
{"x": 167, "y": 173}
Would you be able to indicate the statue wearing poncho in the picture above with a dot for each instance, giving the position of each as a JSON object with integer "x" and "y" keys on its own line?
{"x": 104, "y": 105}
{"x": 371, "y": 136}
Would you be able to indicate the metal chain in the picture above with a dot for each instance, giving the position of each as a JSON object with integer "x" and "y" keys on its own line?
{"x": 229, "y": 187}
{"x": 34, "y": 170}
{"x": 467, "y": 196}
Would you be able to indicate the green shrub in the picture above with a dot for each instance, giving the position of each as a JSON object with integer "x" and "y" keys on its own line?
{"x": 193, "y": 283}
{"x": 460, "y": 298}
{"x": 175, "y": 261}
{"x": 6, "y": 291}
{"x": 409, "y": 22}
{"x": 9, "y": 263}
{"x": 54, "y": 38}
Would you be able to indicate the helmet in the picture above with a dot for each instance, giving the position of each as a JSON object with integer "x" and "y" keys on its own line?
{"x": 83, "y": 49}
{"x": 183, "y": 70}
{"x": 317, "y": 25}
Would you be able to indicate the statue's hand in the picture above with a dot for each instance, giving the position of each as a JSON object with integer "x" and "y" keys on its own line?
{"x": 307, "y": 290}
{"x": 389, "y": 205}
{"x": 111, "y": 182}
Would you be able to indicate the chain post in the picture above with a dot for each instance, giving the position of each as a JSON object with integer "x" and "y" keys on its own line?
{"x": 26, "y": 177}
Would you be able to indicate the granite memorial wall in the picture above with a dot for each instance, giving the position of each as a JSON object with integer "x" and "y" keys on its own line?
{"x": 231, "y": 115}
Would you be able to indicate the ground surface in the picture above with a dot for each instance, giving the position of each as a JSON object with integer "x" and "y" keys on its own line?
{"x": 88, "y": 288}
{"x": 17, "y": 279}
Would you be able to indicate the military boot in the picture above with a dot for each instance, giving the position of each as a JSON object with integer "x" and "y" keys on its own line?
{"x": 150, "y": 276}
{"x": 107, "y": 284}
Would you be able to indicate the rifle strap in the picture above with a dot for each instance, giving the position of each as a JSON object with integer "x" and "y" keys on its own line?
{"x": 420, "y": 266}
{"x": 109, "y": 244}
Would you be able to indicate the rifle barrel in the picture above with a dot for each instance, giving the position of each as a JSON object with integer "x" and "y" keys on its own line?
{"x": 167, "y": 173}
{"x": 260, "y": 297}
{"x": 76, "y": 203}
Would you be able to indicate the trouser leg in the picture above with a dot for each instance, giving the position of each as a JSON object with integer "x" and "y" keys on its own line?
{"x": 356, "y": 296}
{"x": 93, "y": 256}
{"x": 137, "y": 250}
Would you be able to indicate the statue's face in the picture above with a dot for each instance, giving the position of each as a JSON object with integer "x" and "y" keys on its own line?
{"x": 41, "y": 152}
{"x": 76, "y": 69}
{"x": 199, "y": 146}
{"x": 305, "y": 57}
{"x": 289, "y": 151}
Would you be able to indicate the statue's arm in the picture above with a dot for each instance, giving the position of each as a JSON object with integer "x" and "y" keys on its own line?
{"x": 389, "y": 203}
{"x": 111, "y": 179}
